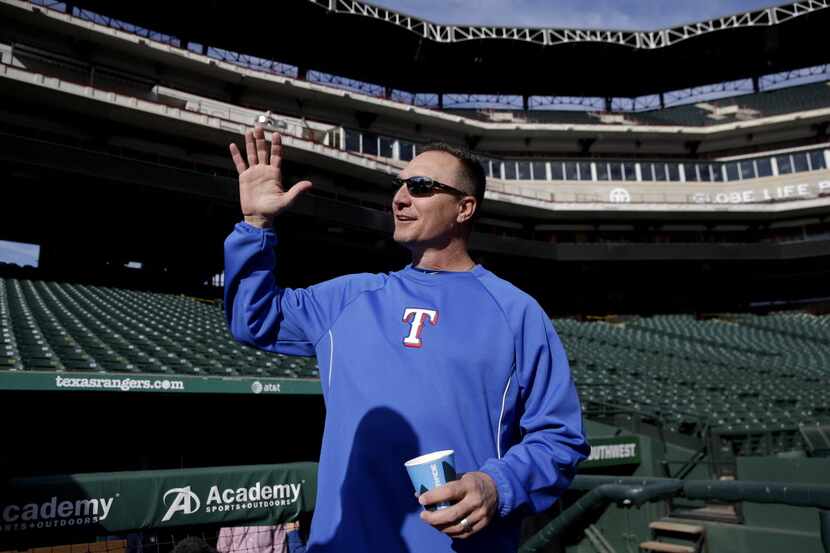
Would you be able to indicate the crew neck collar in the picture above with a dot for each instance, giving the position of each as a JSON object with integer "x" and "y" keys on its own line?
{"x": 435, "y": 275}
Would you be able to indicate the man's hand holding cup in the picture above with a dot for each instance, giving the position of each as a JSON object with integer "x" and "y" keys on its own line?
{"x": 457, "y": 507}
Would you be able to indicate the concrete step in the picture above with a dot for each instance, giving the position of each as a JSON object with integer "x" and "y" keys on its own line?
{"x": 676, "y": 527}
{"x": 665, "y": 547}
{"x": 714, "y": 513}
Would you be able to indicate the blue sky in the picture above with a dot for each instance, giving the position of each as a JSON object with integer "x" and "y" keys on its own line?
{"x": 586, "y": 14}
{"x": 19, "y": 253}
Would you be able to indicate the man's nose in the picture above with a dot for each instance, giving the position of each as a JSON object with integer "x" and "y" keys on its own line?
{"x": 402, "y": 197}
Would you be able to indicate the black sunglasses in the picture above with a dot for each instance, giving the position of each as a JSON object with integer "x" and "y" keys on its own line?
{"x": 421, "y": 187}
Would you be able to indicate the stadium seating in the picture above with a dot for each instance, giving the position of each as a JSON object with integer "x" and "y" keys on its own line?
{"x": 738, "y": 372}
{"x": 561, "y": 117}
{"x": 763, "y": 104}
{"x": 67, "y": 327}
{"x": 688, "y": 115}
{"x": 783, "y": 100}
{"x": 744, "y": 373}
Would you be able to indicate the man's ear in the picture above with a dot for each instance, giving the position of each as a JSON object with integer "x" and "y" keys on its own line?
{"x": 466, "y": 209}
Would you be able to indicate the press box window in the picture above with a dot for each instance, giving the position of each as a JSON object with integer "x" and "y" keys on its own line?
{"x": 800, "y": 163}
{"x": 585, "y": 171}
{"x": 764, "y": 166}
{"x": 690, "y": 171}
{"x": 495, "y": 169}
{"x": 747, "y": 169}
{"x": 386, "y": 147}
{"x": 571, "y": 171}
{"x": 817, "y": 160}
{"x": 406, "y": 151}
{"x": 370, "y": 144}
{"x": 785, "y": 166}
{"x": 352, "y": 141}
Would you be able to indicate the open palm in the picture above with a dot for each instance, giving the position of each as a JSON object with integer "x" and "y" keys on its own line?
{"x": 261, "y": 193}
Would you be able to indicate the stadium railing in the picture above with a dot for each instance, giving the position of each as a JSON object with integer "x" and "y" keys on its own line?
{"x": 635, "y": 492}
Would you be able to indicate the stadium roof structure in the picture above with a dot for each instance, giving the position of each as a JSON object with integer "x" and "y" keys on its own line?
{"x": 364, "y": 42}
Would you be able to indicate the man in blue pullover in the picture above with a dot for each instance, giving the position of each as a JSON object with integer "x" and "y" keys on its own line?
{"x": 440, "y": 355}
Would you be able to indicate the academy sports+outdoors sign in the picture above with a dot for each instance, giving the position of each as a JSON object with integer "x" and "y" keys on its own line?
{"x": 35, "y": 508}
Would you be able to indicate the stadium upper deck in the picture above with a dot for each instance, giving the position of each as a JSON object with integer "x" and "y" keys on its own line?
{"x": 92, "y": 90}
{"x": 427, "y": 56}
{"x": 381, "y": 102}
{"x": 740, "y": 106}
{"x": 92, "y": 51}
{"x": 757, "y": 182}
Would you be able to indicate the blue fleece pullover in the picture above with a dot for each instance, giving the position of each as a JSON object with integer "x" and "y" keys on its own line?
{"x": 412, "y": 362}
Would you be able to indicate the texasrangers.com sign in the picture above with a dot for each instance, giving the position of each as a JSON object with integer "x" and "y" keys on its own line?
{"x": 123, "y": 501}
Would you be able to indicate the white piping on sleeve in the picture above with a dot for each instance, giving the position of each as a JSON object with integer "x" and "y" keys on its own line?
{"x": 501, "y": 415}
{"x": 331, "y": 356}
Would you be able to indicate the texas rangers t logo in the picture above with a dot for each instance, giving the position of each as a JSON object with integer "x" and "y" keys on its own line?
{"x": 416, "y": 317}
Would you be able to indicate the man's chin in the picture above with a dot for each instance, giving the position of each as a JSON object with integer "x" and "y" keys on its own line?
{"x": 401, "y": 238}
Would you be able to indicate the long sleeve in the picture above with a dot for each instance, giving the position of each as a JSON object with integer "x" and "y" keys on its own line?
{"x": 535, "y": 472}
{"x": 262, "y": 314}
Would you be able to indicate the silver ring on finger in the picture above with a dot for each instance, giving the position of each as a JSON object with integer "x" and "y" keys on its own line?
{"x": 465, "y": 524}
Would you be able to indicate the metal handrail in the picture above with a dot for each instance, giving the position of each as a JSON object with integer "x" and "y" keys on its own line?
{"x": 601, "y": 495}
{"x": 632, "y": 491}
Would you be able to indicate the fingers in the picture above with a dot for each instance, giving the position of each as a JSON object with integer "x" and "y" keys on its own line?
{"x": 296, "y": 190}
{"x": 474, "y": 502}
{"x": 475, "y": 522}
{"x": 476, "y": 518}
{"x": 256, "y": 149}
{"x": 451, "y": 515}
{"x": 452, "y": 491}
{"x": 250, "y": 148}
{"x": 236, "y": 156}
{"x": 261, "y": 145}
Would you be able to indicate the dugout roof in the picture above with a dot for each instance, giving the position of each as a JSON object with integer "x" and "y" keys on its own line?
{"x": 360, "y": 41}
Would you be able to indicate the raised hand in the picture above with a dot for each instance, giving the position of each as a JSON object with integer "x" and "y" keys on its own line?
{"x": 261, "y": 193}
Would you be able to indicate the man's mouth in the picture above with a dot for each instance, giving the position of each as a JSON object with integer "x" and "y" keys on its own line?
{"x": 404, "y": 218}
